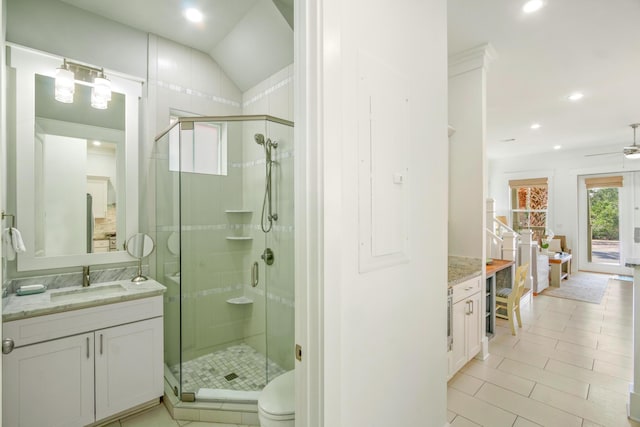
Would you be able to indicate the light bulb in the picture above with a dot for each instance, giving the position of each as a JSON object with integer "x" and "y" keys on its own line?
{"x": 64, "y": 85}
{"x": 100, "y": 93}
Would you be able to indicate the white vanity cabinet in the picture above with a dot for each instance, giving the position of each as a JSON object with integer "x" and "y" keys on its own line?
{"x": 81, "y": 366}
{"x": 128, "y": 366}
{"x": 49, "y": 383}
{"x": 467, "y": 323}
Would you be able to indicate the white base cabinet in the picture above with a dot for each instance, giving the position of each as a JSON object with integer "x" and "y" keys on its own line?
{"x": 49, "y": 384}
{"x": 128, "y": 366}
{"x": 467, "y": 323}
{"x": 80, "y": 379}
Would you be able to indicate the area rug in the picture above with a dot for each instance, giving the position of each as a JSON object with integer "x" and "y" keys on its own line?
{"x": 582, "y": 286}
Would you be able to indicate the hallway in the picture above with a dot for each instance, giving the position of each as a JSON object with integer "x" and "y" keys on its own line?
{"x": 570, "y": 365}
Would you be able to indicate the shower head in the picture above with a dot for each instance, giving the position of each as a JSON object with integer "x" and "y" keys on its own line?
{"x": 259, "y": 138}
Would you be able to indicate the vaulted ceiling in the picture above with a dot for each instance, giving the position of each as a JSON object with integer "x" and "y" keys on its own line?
{"x": 249, "y": 39}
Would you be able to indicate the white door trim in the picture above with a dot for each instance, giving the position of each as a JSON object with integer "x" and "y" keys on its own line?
{"x": 309, "y": 214}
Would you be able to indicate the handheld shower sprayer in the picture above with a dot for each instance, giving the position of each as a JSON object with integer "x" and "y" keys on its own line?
{"x": 267, "y": 215}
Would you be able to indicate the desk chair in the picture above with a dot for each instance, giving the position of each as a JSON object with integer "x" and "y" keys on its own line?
{"x": 508, "y": 299}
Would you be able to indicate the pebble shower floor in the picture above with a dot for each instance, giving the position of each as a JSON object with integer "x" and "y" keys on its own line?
{"x": 209, "y": 371}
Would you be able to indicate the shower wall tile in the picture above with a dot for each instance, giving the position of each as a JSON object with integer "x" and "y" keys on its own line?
{"x": 281, "y": 339}
{"x": 174, "y": 62}
{"x": 189, "y": 324}
{"x": 229, "y": 90}
{"x": 279, "y": 103}
{"x": 206, "y": 74}
{"x": 273, "y": 97}
{"x": 254, "y": 101}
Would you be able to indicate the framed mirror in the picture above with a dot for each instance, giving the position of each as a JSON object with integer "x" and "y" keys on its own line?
{"x": 76, "y": 186}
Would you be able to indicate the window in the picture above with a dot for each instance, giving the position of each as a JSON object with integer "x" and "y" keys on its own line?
{"x": 202, "y": 149}
{"x": 529, "y": 203}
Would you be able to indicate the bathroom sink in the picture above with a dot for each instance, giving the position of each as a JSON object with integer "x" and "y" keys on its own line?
{"x": 87, "y": 293}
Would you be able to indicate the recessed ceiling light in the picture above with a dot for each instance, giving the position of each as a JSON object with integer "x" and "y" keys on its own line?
{"x": 532, "y": 6}
{"x": 557, "y": 147}
{"x": 576, "y": 96}
{"x": 97, "y": 143}
{"x": 535, "y": 126}
{"x": 193, "y": 15}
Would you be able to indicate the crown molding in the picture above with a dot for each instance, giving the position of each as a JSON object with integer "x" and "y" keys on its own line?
{"x": 475, "y": 58}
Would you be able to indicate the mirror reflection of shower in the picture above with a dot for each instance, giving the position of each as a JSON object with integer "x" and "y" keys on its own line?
{"x": 268, "y": 216}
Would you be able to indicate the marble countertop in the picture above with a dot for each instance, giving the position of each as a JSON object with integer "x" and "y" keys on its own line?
{"x": 75, "y": 297}
{"x": 462, "y": 268}
{"x": 632, "y": 262}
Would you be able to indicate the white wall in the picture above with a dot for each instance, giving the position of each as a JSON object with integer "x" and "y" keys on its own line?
{"x": 562, "y": 168}
{"x": 384, "y": 329}
{"x": 103, "y": 163}
{"x": 59, "y": 28}
{"x": 65, "y": 195}
{"x": 467, "y": 166}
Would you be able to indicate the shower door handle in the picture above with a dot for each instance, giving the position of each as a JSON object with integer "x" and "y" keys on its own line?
{"x": 254, "y": 275}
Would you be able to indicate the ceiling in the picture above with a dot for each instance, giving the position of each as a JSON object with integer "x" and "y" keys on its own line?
{"x": 249, "y": 39}
{"x": 591, "y": 46}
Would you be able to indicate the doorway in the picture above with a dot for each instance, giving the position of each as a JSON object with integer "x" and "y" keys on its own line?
{"x": 605, "y": 203}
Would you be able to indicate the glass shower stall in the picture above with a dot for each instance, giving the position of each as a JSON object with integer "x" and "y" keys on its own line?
{"x": 225, "y": 246}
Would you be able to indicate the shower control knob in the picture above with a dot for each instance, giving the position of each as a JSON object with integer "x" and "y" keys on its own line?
{"x": 7, "y": 345}
{"x": 267, "y": 256}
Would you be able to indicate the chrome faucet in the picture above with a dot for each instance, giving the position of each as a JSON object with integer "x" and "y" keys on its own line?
{"x": 86, "y": 276}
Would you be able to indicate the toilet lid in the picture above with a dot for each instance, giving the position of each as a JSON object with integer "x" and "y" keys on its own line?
{"x": 278, "y": 397}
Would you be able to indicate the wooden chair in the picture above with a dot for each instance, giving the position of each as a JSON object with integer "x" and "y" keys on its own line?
{"x": 508, "y": 299}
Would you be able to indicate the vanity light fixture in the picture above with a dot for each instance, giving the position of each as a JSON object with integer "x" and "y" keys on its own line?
{"x": 532, "y": 6}
{"x": 557, "y": 147}
{"x": 101, "y": 92}
{"x": 535, "y": 126}
{"x": 71, "y": 72}
{"x": 64, "y": 84}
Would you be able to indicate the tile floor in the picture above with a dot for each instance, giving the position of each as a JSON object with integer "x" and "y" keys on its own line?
{"x": 570, "y": 365}
{"x": 209, "y": 371}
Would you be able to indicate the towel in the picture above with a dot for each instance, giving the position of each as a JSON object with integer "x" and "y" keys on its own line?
{"x": 12, "y": 243}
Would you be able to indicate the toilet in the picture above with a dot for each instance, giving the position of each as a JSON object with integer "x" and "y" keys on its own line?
{"x": 276, "y": 404}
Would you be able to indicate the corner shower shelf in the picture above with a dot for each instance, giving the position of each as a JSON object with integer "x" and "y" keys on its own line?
{"x": 237, "y": 211}
{"x": 240, "y": 301}
{"x": 239, "y": 238}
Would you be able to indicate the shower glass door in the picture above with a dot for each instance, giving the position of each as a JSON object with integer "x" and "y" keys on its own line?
{"x": 228, "y": 315}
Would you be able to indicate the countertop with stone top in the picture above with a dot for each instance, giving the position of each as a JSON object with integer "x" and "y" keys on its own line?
{"x": 632, "y": 262}
{"x": 462, "y": 269}
{"x": 76, "y": 297}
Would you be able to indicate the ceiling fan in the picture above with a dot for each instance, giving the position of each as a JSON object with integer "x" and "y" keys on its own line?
{"x": 630, "y": 152}
{"x": 633, "y": 152}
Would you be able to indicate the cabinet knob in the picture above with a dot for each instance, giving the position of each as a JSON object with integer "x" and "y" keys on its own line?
{"x": 7, "y": 345}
